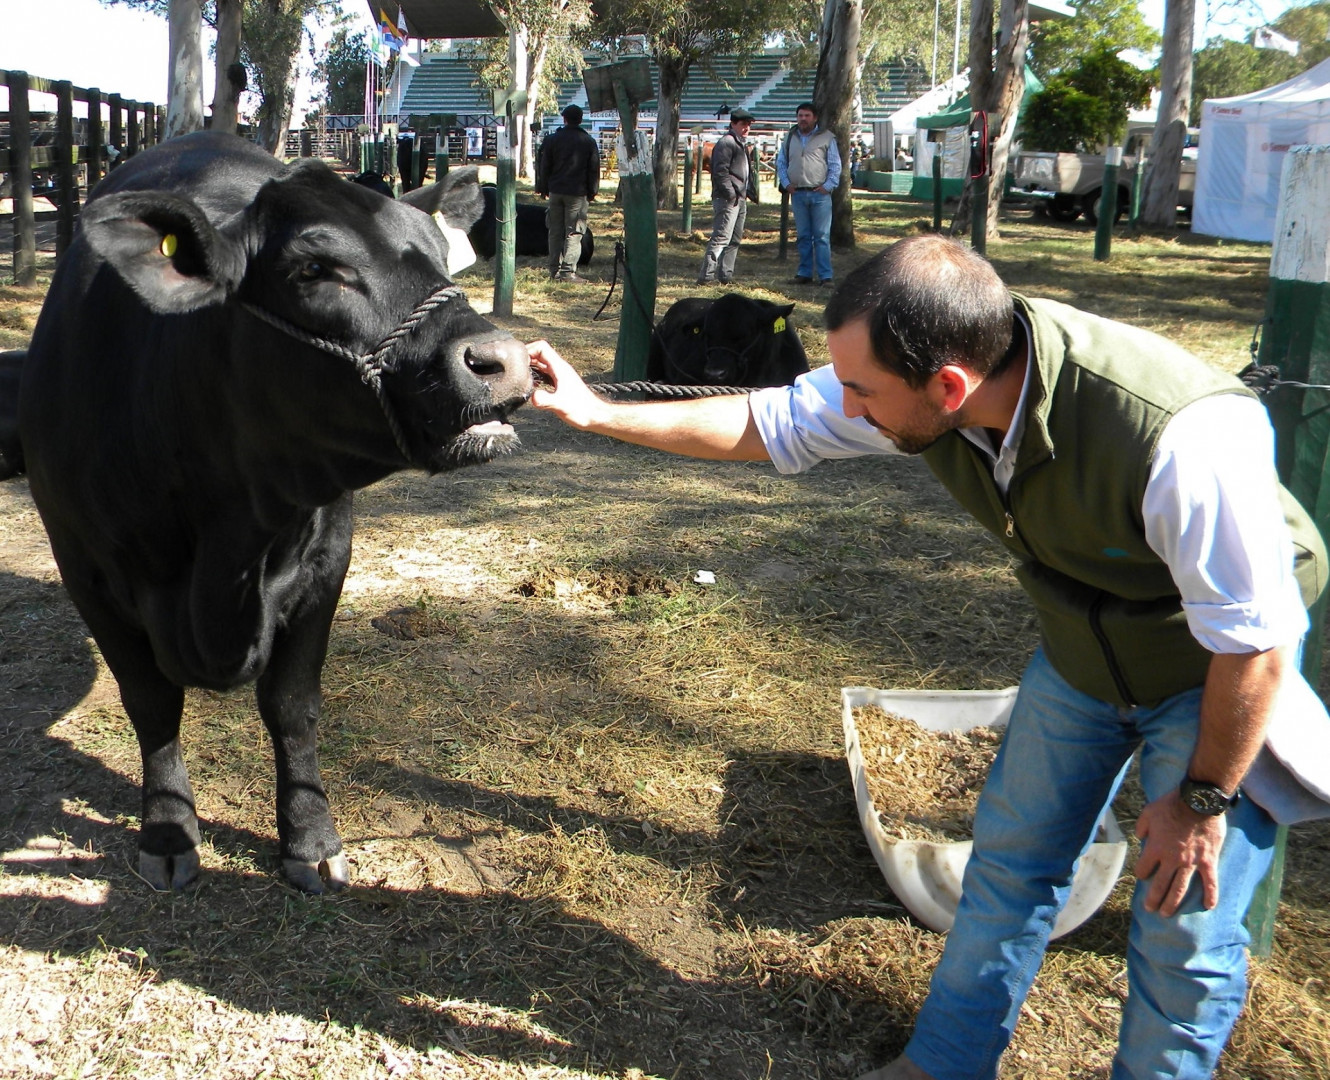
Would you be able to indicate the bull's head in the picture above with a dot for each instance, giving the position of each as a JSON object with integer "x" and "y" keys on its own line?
{"x": 739, "y": 335}
{"x": 315, "y": 266}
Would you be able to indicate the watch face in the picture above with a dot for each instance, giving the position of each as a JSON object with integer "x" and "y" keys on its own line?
{"x": 1205, "y": 798}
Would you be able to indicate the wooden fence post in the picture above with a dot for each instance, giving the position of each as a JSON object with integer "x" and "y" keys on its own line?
{"x": 66, "y": 155}
{"x": 133, "y": 132}
{"x": 20, "y": 176}
{"x": 116, "y": 138}
{"x": 96, "y": 138}
{"x": 1296, "y": 339}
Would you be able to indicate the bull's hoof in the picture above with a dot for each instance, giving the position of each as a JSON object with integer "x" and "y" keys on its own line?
{"x": 331, "y": 875}
{"x": 168, "y": 873}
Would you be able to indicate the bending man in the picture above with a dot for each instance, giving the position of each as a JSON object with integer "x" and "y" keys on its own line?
{"x": 1136, "y": 490}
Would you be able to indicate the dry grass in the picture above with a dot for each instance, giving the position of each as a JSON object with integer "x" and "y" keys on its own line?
{"x": 599, "y": 816}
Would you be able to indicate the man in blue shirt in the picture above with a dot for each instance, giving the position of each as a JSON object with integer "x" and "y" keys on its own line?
{"x": 808, "y": 167}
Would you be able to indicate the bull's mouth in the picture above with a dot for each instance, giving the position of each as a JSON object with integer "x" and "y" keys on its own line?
{"x": 490, "y": 429}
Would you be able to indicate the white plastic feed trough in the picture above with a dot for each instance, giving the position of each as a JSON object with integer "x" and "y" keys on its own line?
{"x": 926, "y": 876}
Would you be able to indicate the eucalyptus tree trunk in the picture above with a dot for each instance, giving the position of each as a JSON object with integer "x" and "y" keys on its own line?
{"x": 1159, "y": 197}
{"x": 997, "y": 84}
{"x": 665, "y": 154}
{"x": 836, "y": 86}
{"x": 526, "y": 151}
{"x": 184, "y": 104}
{"x": 230, "y": 72}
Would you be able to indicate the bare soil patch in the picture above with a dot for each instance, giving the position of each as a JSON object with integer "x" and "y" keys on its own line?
{"x": 598, "y": 814}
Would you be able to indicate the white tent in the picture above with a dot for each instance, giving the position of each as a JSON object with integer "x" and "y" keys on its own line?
{"x": 1243, "y": 143}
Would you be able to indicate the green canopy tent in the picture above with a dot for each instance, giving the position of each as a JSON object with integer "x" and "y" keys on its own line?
{"x": 946, "y": 132}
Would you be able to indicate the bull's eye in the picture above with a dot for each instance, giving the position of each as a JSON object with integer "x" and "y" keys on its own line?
{"x": 312, "y": 271}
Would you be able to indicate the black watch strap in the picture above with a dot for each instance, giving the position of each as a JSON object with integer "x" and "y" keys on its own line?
{"x": 1207, "y": 799}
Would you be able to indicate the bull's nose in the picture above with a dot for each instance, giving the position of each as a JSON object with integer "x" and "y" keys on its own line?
{"x": 501, "y": 356}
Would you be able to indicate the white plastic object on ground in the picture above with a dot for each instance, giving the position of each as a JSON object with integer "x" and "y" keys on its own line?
{"x": 926, "y": 876}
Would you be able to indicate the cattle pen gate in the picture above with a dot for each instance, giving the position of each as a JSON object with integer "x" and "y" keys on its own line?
{"x": 67, "y": 155}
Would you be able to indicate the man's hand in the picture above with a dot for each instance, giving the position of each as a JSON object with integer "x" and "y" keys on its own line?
{"x": 1178, "y": 844}
{"x": 562, "y": 390}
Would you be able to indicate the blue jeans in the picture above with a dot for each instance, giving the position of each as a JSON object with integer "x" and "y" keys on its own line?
{"x": 812, "y": 226}
{"x": 1060, "y": 763}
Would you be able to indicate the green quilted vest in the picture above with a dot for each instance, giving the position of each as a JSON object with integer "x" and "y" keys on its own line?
{"x": 1110, "y": 618}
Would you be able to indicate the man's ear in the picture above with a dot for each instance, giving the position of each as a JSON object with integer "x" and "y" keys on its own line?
{"x": 164, "y": 248}
{"x": 956, "y": 385}
{"x": 457, "y": 197}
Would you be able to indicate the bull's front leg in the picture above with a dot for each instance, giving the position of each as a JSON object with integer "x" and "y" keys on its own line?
{"x": 289, "y": 700}
{"x": 169, "y": 830}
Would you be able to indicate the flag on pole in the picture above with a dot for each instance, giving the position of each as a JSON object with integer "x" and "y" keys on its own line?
{"x": 1265, "y": 38}
{"x": 388, "y": 29}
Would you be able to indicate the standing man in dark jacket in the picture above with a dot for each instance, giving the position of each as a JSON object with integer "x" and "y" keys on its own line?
{"x": 732, "y": 183}
{"x": 569, "y": 176}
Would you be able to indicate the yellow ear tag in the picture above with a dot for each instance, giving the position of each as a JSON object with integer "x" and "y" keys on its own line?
{"x": 168, "y": 244}
{"x": 779, "y": 325}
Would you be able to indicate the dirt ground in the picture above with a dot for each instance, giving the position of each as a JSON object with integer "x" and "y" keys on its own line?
{"x": 598, "y": 814}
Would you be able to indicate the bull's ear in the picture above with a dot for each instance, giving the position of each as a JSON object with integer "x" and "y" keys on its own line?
{"x": 165, "y": 249}
{"x": 457, "y": 197}
{"x": 785, "y": 310}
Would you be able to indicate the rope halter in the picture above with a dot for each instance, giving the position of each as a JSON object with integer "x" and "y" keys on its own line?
{"x": 369, "y": 365}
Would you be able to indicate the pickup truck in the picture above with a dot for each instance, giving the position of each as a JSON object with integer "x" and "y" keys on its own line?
{"x": 1069, "y": 185}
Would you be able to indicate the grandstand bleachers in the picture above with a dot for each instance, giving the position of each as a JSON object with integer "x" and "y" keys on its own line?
{"x": 763, "y": 84}
{"x": 445, "y": 84}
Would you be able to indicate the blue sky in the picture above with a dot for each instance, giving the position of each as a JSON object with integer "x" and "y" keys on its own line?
{"x": 123, "y": 51}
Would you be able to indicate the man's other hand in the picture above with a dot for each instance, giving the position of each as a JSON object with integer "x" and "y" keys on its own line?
{"x": 1178, "y": 844}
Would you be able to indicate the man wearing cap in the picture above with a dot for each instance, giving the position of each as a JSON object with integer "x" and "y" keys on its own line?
{"x": 808, "y": 167}
{"x": 733, "y": 182}
{"x": 568, "y": 174}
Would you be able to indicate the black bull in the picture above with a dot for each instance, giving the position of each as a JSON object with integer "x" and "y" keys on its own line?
{"x": 229, "y": 348}
{"x": 533, "y": 237}
{"x": 734, "y": 340}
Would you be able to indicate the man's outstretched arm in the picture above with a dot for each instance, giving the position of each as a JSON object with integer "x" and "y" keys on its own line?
{"x": 718, "y": 428}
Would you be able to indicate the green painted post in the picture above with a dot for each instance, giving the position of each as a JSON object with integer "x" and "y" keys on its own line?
{"x": 1137, "y": 184}
{"x": 505, "y": 214}
{"x": 1296, "y": 339}
{"x": 641, "y": 245}
{"x": 686, "y": 225}
{"x": 1108, "y": 205}
{"x": 783, "y": 247}
{"x": 937, "y": 187}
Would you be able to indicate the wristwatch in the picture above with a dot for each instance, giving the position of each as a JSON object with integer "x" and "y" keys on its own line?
{"x": 1208, "y": 800}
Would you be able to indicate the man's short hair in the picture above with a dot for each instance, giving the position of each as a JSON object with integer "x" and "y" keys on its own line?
{"x": 572, "y": 114}
{"x": 806, "y": 105}
{"x": 929, "y": 301}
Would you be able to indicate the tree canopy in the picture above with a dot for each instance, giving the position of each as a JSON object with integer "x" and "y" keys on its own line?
{"x": 1084, "y": 107}
{"x": 1100, "y": 25}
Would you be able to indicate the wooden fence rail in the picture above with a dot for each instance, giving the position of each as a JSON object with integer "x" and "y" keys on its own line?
{"x": 61, "y": 151}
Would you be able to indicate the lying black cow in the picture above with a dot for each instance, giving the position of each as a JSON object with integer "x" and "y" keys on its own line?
{"x": 734, "y": 340}
{"x": 229, "y": 348}
{"x": 533, "y": 234}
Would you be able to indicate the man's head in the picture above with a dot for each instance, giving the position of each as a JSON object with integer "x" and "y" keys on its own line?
{"x": 913, "y": 332}
{"x": 572, "y": 115}
{"x": 740, "y": 121}
{"x": 806, "y": 117}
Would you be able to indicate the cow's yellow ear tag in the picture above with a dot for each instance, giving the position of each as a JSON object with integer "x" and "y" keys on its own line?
{"x": 169, "y": 244}
{"x": 779, "y": 325}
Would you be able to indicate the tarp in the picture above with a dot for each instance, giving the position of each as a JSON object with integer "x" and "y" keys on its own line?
{"x": 958, "y": 113}
{"x": 1243, "y": 143}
